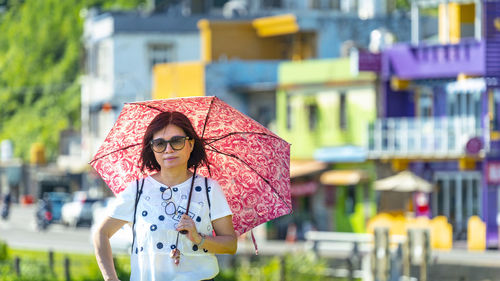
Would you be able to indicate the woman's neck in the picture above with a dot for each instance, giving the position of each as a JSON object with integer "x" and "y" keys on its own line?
{"x": 172, "y": 177}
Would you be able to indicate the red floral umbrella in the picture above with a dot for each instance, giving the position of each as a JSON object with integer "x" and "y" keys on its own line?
{"x": 251, "y": 163}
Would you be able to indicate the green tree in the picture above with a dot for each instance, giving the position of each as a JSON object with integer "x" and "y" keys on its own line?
{"x": 40, "y": 65}
{"x": 403, "y": 5}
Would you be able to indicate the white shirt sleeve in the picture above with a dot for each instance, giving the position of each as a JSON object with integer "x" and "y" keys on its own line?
{"x": 218, "y": 204}
{"x": 123, "y": 207}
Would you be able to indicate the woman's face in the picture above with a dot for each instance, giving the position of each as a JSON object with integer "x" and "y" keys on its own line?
{"x": 173, "y": 158}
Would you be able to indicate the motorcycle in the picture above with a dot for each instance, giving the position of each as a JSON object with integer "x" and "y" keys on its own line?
{"x": 43, "y": 216}
{"x": 6, "y": 206}
{"x": 5, "y": 212}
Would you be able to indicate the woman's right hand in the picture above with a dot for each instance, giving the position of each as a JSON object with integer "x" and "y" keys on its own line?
{"x": 186, "y": 223}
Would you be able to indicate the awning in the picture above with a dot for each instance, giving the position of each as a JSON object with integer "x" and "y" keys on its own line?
{"x": 300, "y": 168}
{"x": 343, "y": 177}
{"x": 404, "y": 181}
{"x": 276, "y": 25}
{"x": 340, "y": 154}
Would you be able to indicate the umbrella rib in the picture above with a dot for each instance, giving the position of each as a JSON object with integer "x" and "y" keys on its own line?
{"x": 212, "y": 140}
{"x": 119, "y": 149}
{"x": 147, "y": 105}
{"x": 206, "y": 118}
{"x": 236, "y": 157}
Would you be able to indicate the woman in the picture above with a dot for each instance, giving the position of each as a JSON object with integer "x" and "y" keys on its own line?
{"x": 157, "y": 207}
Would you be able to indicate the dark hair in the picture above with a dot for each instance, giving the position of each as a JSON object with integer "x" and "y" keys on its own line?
{"x": 198, "y": 155}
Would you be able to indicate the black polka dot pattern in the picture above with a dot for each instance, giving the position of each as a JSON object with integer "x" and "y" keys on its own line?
{"x": 144, "y": 213}
{"x": 195, "y": 247}
{"x": 161, "y": 218}
{"x": 205, "y": 250}
{"x": 198, "y": 188}
{"x": 172, "y": 246}
{"x": 162, "y": 189}
{"x": 153, "y": 227}
{"x": 198, "y": 219}
{"x": 209, "y": 188}
{"x": 175, "y": 189}
{"x": 159, "y": 245}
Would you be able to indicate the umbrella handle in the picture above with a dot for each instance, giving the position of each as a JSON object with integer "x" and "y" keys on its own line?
{"x": 189, "y": 199}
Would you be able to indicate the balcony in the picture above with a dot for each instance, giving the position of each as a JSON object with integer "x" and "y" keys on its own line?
{"x": 423, "y": 138}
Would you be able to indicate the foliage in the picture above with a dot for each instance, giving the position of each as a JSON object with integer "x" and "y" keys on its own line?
{"x": 403, "y": 5}
{"x": 40, "y": 55}
{"x": 35, "y": 266}
{"x": 4, "y": 251}
{"x": 298, "y": 266}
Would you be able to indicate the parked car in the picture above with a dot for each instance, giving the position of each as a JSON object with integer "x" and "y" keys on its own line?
{"x": 121, "y": 241}
{"x": 78, "y": 212}
{"x": 56, "y": 200}
{"x": 99, "y": 209}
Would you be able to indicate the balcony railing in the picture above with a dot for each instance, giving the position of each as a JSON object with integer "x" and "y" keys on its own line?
{"x": 440, "y": 137}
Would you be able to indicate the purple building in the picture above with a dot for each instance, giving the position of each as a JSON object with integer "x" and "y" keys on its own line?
{"x": 439, "y": 113}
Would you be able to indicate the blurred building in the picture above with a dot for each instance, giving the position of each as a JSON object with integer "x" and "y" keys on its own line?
{"x": 121, "y": 49}
{"x": 239, "y": 58}
{"x": 438, "y": 111}
{"x": 324, "y": 107}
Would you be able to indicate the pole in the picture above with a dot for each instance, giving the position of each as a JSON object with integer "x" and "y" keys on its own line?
{"x": 17, "y": 265}
{"x": 51, "y": 261}
{"x": 406, "y": 257}
{"x": 67, "y": 274}
{"x": 425, "y": 255}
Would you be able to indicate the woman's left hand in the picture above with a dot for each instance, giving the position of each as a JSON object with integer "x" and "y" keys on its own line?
{"x": 186, "y": 223}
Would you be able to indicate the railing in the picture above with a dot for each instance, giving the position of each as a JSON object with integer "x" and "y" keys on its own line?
{"x": 421, "y": 137}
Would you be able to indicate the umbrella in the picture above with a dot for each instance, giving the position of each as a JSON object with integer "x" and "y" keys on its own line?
{"x": 251, "y": 163}
{"x": 404, "y": 181}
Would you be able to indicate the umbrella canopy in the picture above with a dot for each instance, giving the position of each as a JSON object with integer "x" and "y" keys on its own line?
{"x": 405, "y": 181}
{"x": 251, "y": 163}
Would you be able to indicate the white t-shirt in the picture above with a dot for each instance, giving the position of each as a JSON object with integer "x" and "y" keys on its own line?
{"x": 155, "y": 229}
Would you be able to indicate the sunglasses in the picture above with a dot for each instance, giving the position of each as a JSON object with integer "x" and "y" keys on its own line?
{"x": 176, "y": 143}
{"x": 169, "y": 206}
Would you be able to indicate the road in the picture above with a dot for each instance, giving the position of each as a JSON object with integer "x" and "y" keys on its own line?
{"x": 19, "y": 231}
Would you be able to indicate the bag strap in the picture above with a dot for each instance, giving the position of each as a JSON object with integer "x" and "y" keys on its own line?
{"x": 208, "y": 200}
{"x": 137, "y": 197}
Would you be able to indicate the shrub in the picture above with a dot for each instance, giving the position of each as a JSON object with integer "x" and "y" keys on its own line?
{"x": 4, "y": 251}
{"x": 298, "y": 266}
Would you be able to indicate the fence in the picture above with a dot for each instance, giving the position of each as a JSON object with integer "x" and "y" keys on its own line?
{"x": 377, "y": 257}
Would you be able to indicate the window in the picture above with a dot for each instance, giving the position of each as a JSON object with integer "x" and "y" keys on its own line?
{"x": 219, "y": 3}
{"x": 313, "y": 116}
{"x": 494, "y": 107}
{"x": 103, "y": 61}
{"x": 425, "y": 103}
{"x": 350, "y": 200}
{"x": 92, "y": 59}
{"x": 97, "y": 58}
{"x": 160, "y": 53}
{"x": 464, "y": 103}
{"x": 325, "y": 4}
{"x": 342, "y": 111}
{"x": 288, "y": 113}
{"x": 271, "y": 3}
